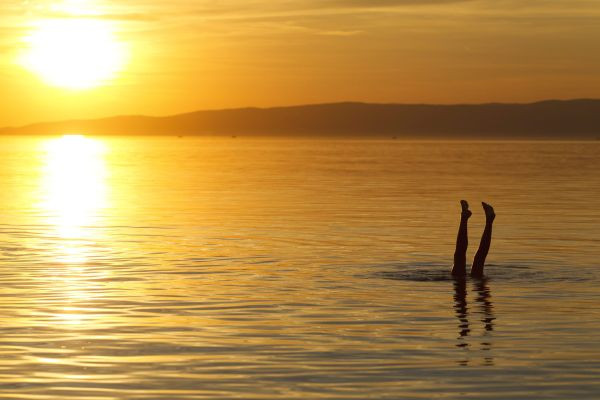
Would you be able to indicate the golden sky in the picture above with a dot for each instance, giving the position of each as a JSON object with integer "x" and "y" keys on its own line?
{"x": 90, "y": 58}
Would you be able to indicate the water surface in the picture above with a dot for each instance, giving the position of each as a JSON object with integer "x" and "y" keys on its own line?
{"x": 188, "y": 268}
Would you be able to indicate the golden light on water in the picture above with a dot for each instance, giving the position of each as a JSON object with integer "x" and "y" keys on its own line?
{"x": 74, "y": 191}
{"x": 74, "y": 53}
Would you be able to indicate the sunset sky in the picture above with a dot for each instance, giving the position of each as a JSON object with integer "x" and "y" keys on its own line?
{"x": 89, "y": 58}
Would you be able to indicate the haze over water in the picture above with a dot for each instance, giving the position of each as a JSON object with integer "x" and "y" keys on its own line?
{"x": 147, "y": 268}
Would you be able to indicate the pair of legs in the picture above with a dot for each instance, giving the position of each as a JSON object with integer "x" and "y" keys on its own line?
{"x": 462, "y": 241}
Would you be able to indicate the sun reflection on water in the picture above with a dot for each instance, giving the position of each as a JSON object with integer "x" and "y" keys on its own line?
{"x": 74, "y": 192}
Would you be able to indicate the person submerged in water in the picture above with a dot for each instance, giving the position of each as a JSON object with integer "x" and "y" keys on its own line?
{"x": 460, "y": 255}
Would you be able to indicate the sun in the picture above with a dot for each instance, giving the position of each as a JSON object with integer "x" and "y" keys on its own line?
{"x": 74, "y": 53}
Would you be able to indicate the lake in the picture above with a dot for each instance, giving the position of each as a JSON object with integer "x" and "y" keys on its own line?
{"x": 189, "y": 268}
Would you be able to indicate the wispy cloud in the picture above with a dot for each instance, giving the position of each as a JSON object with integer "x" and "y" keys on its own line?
{"x": 385, "y": 3}
{"x": 115, "y": 16}
{"x": 154, "y": 10}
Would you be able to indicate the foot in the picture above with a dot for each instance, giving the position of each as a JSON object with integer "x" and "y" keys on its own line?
{"x": 466, "y": 213}
{"x": 489, "y": 212}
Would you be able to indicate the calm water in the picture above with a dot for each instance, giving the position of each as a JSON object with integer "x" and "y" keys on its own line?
{"x": 166, "y": 268}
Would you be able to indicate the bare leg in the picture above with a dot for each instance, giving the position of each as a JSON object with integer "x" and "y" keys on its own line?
{"x": 484, "y": 245}
{"x": 462, "y": 242}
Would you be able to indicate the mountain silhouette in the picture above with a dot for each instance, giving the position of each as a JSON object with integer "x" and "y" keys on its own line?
{"x": 560, "y": 119}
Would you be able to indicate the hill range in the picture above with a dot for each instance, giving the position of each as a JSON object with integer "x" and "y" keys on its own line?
{"x": 552, "y": 119}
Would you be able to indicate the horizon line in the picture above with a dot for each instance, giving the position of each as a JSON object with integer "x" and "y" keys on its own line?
{"x": 491, "y": 103}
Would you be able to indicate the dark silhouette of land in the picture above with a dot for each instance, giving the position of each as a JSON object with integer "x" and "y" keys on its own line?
{"x": 553, "y": 119}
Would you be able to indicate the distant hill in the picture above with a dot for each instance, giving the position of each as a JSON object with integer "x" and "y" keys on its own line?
{"x": 571, "y": 119}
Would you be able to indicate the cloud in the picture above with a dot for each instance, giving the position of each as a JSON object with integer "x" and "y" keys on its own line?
{"x": 291, "y": 27}
{"x": 386, "y": 3}
{"x": 115, "y": 17}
